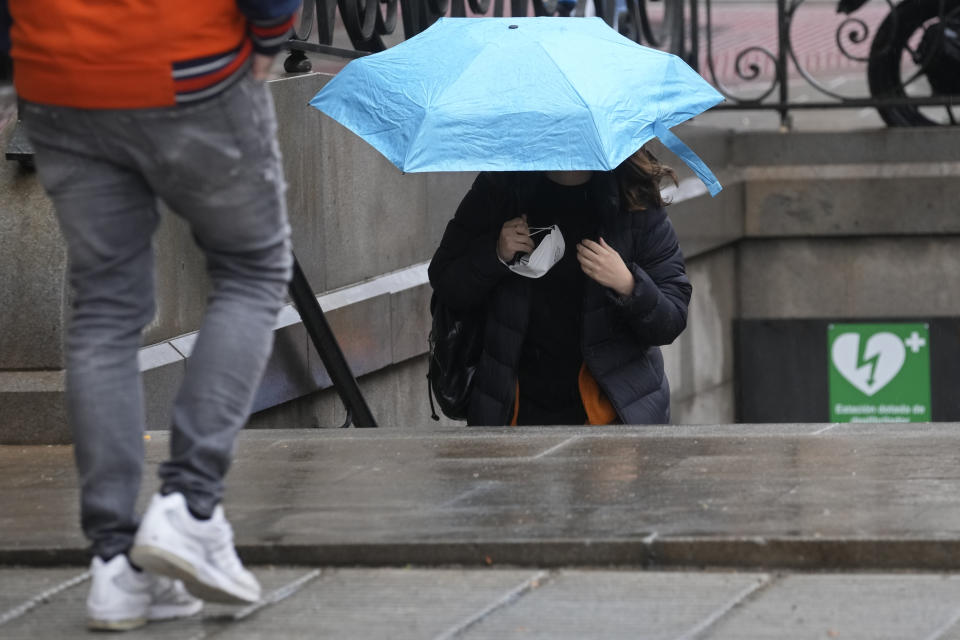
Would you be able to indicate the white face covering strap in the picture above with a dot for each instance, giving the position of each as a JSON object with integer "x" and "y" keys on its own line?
{"x": 547, "y": 254}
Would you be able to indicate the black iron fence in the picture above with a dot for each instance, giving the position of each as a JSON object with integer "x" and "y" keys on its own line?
{"x": 907, "y": 53}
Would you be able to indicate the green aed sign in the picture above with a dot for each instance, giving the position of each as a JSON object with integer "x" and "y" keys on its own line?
{"x": 879, "y": 372}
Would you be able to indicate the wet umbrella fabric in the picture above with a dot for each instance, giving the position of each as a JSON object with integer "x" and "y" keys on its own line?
{"x": 518, "y": 94}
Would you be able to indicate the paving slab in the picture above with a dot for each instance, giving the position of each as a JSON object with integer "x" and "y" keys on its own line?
{"x": 22, "y": 590}
{"x": 863, "y": 607}
{"x": 559, "y": 604}
{"x": 620, "y": 604}
{"x": 389, "y": 603}
{"x": 750, "y": 496}
{"x": 63, "y": 614}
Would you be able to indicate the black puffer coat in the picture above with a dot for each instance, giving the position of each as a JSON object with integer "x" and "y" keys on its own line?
{"x": 620, "y": 336}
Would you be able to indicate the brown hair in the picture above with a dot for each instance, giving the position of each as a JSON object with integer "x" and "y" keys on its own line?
{"x": 639, "y": 178}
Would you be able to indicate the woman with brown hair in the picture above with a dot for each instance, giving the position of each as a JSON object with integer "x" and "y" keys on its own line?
{"x": 580, "y": 280}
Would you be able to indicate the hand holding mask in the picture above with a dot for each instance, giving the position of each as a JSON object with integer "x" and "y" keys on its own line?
{"x": 542, "y": 259}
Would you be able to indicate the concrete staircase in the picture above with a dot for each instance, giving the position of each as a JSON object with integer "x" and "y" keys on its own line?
{"x": 683, "y": 532}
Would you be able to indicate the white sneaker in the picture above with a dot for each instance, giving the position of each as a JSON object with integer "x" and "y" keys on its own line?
{"x": 171, "y": 542}
{"x": 122, "y": 598}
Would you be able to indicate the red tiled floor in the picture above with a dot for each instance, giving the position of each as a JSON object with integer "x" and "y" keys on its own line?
{"x": 813, "y": 34}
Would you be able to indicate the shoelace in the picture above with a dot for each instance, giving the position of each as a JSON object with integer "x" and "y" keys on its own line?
{"x": 164, "y": 589}
{"x": 223, "y": 551}
{"x": 132, "y": 581}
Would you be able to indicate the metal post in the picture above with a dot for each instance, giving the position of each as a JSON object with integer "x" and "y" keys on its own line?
{"x": 329, "y": 350}
{"x": 783, "y": 38}
{"x": 694, "y": 54}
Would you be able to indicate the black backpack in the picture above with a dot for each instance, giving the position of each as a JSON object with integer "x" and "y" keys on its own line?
{"x": 456, "y": 338}
{"x": 456, "y": 342}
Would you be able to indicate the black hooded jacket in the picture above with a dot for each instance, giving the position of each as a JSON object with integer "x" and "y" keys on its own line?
{"x": 620, "y": 336}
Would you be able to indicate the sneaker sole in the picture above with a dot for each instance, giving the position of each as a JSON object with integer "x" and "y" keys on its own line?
{"x": 115, "y": 625}
{"x": 161, "y": 612}
{"x": 168, "y": 564}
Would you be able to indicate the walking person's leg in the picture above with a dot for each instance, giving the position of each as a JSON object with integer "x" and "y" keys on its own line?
{"x": 219, "y": 167}
{"x": 107, "y": 215}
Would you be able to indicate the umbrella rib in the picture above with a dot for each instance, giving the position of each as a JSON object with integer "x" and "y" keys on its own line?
{"x": 574, "y": 89}
{"x": 416, "y": 134}
{"x": 413, "y": 138}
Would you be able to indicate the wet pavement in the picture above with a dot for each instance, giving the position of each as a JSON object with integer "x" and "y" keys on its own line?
{"x": 746, "y": 496}
{"x": 730, "y": 531}
{"x": 441, "y": 604}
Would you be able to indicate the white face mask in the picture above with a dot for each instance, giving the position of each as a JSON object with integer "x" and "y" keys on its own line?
{"x": 547, "y": 254}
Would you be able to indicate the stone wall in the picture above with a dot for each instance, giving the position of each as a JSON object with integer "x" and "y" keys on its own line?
{"x": 854, "y": 224}
{"x": 33, "y": 306}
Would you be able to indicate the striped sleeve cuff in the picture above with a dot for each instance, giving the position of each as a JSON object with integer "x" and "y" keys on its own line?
{"x": 269, "y": 36}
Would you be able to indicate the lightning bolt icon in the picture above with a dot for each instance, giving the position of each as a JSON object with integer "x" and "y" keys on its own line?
{"x": 863, "y": 361}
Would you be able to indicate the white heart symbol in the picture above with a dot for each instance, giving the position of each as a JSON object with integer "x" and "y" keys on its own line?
{"x": 882, "y": 360}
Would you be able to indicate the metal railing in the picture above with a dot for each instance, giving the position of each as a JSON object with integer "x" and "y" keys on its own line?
{"x": 908, "y": 52}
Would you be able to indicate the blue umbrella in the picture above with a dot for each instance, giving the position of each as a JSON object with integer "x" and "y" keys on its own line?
{"x": 518, "y": 94}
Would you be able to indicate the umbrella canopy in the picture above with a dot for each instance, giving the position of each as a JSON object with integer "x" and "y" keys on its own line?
{"x": 518, "y": 94}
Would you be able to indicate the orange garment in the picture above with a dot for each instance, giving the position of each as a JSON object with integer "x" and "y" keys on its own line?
{"x": 595, "y": 401}
{"x": 125, "y": 54}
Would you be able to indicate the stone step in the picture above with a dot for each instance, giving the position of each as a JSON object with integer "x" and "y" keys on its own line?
{"x": 806, "y": 496}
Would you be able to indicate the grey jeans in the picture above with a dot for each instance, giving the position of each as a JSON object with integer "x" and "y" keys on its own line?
{"x": 217, "y": 165}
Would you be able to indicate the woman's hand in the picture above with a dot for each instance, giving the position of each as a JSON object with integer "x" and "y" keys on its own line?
{"x": 602, "y": 263}
{"x": 514, "y": 238}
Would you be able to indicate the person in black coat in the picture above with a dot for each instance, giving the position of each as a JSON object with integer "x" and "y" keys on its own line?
{"x": 581, "y": 343}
